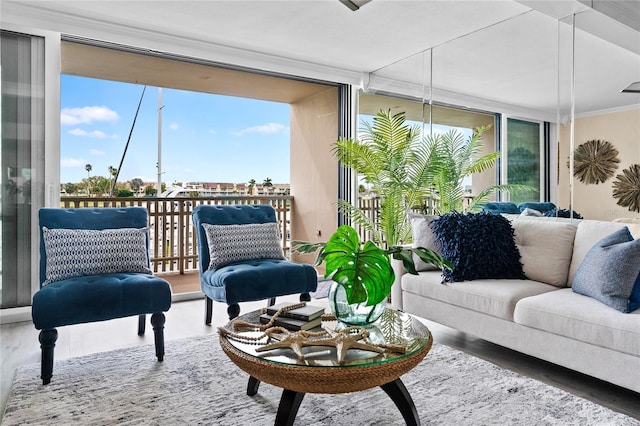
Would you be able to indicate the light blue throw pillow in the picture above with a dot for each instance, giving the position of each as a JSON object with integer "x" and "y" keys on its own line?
{"x": 610, "y": 272}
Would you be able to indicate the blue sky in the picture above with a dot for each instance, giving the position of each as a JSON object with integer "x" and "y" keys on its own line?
{"x": 205, "y": 137}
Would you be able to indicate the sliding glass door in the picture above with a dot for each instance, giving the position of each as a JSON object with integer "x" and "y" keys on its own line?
{"x": 23, "y": 176}
{"x": 523, "y": 158}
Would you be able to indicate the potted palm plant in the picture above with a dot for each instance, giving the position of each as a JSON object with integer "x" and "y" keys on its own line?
{"x": 399, "y": 166}
{"x": 391, "y": 157}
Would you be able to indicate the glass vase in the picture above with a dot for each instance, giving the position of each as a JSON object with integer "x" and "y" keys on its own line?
{"x": 352, "y": 313}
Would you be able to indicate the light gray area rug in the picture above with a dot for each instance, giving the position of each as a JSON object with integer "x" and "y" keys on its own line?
{"x": 198, "y": 385}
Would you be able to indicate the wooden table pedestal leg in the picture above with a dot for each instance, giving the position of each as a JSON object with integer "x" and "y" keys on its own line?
{"x": 400, "y": 396}
{"x": 288, "y": 408}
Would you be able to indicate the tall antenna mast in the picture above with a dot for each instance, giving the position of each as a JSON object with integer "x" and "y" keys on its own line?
{"x": 115, "y": 179}
{"x": 159, "y": 165}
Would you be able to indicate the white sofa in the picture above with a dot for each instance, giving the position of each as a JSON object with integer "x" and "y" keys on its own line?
{"x": 540, "y": 316}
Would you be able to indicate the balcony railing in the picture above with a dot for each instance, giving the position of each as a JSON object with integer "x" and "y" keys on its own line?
{"x": 172, "y": 240}
{"x": 370, "y": 206}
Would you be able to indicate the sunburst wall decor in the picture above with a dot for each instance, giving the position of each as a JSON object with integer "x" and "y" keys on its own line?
{"x": 626, "y": 188}
{"x": 595, "y": 161}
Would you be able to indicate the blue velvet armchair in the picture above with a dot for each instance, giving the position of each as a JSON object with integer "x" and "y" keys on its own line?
{"x": 94, "y": 266}
{"x": 240, "y": 259}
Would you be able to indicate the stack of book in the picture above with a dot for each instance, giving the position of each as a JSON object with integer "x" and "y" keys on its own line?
{"x": 303, "y": 318}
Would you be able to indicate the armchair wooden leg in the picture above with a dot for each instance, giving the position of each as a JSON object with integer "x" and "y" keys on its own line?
{"x": 208, "y": 310}
{"x": 47, "y": 340}
{"x": 233, "y": 311}
{"x": 305, "y": 297}
{"x": 157, "y": 321}
{"x": 142, "y": 319}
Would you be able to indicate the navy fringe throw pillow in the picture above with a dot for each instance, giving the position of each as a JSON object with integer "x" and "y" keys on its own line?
{"x": 480, "y": 245}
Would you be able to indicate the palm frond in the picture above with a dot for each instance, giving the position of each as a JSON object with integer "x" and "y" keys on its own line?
{"x": 483, "y": 163}
{"x": 360, "y": 157}
{"x": 359, "y": 218}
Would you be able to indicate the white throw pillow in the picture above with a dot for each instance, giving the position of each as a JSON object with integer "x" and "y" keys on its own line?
{"x": 235, "y": 243}
{"x": 78, "y": 252}
{"x": 423, "y": 236}
{"x": 545, "y": 249}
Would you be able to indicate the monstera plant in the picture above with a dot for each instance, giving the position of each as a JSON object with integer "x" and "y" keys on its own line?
{"x": 362, "y": 274}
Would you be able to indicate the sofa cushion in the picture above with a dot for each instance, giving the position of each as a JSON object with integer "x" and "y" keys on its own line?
{"x": 588, "y": 233}
{"x": 610, "y": 270}
{"x": 80, "y": 252}
{"x": 497, "y": 298}
{"x": 423, "y": 236}
{"x": 545, "y": 249}
{"x": 258, "y": 279}
{"x": 235, "y": 243}
{"x": 92, "y": 298}
{"x": 479, "y": 246}
{"x": 568, "y": 314}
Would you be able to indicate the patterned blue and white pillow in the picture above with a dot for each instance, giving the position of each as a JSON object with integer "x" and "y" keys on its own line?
{"x": 235, "y": 243}
{"x": 78, "y": 252}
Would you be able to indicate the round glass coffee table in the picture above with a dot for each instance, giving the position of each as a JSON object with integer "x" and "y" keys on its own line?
{"x": 319, "y": 370}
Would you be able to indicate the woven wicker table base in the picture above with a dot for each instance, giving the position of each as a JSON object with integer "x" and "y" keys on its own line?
{"x": 299, "y": 379}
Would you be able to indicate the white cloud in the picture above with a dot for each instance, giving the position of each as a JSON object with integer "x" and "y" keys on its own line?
{"x": 213, "y": 132}
{"x": 87, "y": 115}
{"x": 72, "y": 162}
{"x": 92, "y": 134}
{"x": 96, "y": 152}
{"x": 173, "y": 126}
{"x": 265, "y": 129}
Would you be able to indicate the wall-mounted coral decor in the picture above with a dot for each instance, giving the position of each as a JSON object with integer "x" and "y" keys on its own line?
{"x": 626, "y": 188}
{"x": 595, "y": 161}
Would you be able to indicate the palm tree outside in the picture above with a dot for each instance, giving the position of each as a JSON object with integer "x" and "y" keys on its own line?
{"x": 88, "y": 168}
{"x": 252, "y": 184}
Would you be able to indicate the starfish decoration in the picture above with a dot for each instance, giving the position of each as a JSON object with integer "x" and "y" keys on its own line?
{"x": 345, "y": 340}
{"x": 286, "y": 340}
{"x": 342, "y": 340}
